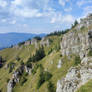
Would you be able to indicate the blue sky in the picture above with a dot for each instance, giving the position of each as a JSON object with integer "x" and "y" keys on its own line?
{"x": 41, "y": 16}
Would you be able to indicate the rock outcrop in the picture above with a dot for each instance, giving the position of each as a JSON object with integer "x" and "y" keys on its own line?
{"x": 59, "y": 64}
{"x": 76, "y": 77}
{"x": 45, "y": 42}
{"x": 77, "y": 42}
{"x": 15, "y": 78}
{"x": 34, "y": 42}
{"x": 27, "y": 43}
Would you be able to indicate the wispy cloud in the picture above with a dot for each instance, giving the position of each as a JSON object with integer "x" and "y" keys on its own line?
{"x": 83, "y": 2}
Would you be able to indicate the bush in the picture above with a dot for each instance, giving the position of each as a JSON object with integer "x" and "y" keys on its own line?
{"x": 77, "y": 60}
{"x": 35, "y": 69}
{"x": 22, "y": 81}
{"x": 47, "y": 76}
{"x": 75, "y": 23}
{"x": 50, "y": 87}
{"x": 41, "y": 80}
{"x": 21, "y": 43}
{"x": 21, "y": 63}
{"x": 50, "y": 51}
{"x": 18, "y": 58}
{"x": 90, "y": 53}
{"x": 38, "y": 55}
{"x": 43, "y": 77}
{"x": 11, "y": 67}
{"x": 28, "y": 64}
{"x": 8, "y": 80}
{"x": 25, "y": 74}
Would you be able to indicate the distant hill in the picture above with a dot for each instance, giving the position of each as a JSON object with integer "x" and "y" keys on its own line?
{"x": 8, "y": 39}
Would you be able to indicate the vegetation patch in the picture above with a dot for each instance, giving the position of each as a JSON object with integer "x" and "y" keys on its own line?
{"x": 77, "y": 60}
{"x": 90, "y": 53}
{"x": 43, "y": 77}
{"x": 38, "y": 55}
{"x": 50, "y": 87}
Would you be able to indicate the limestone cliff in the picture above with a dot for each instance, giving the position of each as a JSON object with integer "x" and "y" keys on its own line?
{"x": 78, "y": 41}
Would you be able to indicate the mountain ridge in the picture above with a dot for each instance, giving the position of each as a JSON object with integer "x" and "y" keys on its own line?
{"x": 13, "y": 38}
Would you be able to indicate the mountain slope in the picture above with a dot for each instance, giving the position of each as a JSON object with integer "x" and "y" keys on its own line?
{"x": 55, "y": 63}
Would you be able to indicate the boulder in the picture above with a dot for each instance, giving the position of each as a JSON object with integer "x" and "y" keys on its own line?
{"x": 28, "y": 70}
{"x": 59, "y": 64}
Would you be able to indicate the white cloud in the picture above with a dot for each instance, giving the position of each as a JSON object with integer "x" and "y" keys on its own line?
{"x": 4, "y": 20}
{"x": 63, "y": 2}
{"x": 68, "y": 9}
{"x": 27, "y": 13}
{"x": 62, "y": 19}
{"x": 68, "y": 19}
{"x": 13, "y": 22}
{"x": 3, "y": 3}
{"x": 87, "y": 10}
{"x": 29, "y": 9}
{"x": 17, "y": 2}
{"x": 83, "y": 2}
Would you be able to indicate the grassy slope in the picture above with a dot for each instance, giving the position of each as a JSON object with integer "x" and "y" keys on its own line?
{"x": 10, "y": 54}
{"x": 86, "y": 88}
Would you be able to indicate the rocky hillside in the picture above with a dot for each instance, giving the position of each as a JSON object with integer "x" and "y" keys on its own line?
{"x": 77, "y": 42}
{"x": 59, "y": 62}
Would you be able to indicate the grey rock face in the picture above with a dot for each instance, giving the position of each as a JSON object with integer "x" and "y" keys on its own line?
{"x": 75, "y": 77}
{"x": 77, "y": 41}
{"x": 15, "y": 78}
{"x": 59, "y": 64}
{"x": 45, "y": 42}
{"x": 34, "y": 42}
{"x": 27, "y": 43}
{"x": 28, "y": 70}
{"x": 10, "y": 86}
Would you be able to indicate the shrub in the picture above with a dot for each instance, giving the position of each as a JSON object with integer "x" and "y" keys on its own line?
{"x": 25, "y": 74}
{"x": 47, "y": 76}
{"x": 21, "y": 43}
{"x": 75, "y": 23}
{"x": 38, "y": 55}
{"x": 18, "y": 58}
{"x": 77, "y": 60}
{"x": 90, "y": 53}
{"x": 8, "y": 80}
{"x": 41, "y": 80}
{"x": 50, "y": 87}
{"x": 50, "y": 51}
{"x": 28, "y": 64}
{"x": 11, "y": 67}
{"x": 43, "y": 77}
{"x": 35, "y": 69}
{"x": 21, "y": 63}
{"x": 22, "y": 81}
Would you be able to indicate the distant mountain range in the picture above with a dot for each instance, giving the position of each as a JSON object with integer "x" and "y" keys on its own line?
{"x": 8, "y": 39}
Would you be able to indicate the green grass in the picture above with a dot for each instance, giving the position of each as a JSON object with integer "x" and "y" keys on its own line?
{"x": 86, "y": 88}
